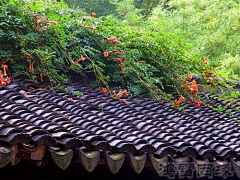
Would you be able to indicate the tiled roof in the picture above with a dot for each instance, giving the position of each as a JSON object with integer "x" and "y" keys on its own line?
{"x": 42, "y": 125}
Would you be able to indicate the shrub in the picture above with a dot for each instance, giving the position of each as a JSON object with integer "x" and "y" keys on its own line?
{"x": 210, "y": 27}
{"x": 49, "y": 39}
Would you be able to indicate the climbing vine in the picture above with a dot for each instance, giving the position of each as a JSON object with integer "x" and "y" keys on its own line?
{"x": 47, "y": 40}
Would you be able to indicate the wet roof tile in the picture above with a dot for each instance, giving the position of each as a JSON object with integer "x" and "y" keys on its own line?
{"x": 51, "y": 119}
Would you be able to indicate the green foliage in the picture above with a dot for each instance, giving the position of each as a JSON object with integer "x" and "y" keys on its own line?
{"x": 230, "y": 66}
{"x": 28, "y": 46}
{"x": 148, "y": 5}
{"x": 210, "y": 27}
{"x": 152, "y": 59}
{"x": 68, "y": 90}
{"x": 100, "y": 7}
{"x": 126, "y": 11}
{"x": 48, "y": 39}
{"x": 50, "y": 49}
{"x": 220, "y": 108}
{"x": 100, "y": 107}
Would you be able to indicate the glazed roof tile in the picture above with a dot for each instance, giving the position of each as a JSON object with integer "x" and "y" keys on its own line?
{"x": 95, "y": 122}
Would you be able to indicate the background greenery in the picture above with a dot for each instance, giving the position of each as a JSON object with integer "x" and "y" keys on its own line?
{"x": 161, "y": 42}
{"x": 212, "y": 28}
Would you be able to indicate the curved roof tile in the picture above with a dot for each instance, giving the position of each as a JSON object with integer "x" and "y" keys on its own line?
{"x": 62, "y": 122}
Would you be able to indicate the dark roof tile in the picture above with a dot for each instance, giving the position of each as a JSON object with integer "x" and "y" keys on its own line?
{"x": 99, "y": 123}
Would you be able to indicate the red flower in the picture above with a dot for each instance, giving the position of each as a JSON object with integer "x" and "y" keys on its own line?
{"x": 85, "y": 27}
{"x": 3, "y": 78}
{"x": 122, "y": 66}
{"x": 123, "y": 101}
{"x": 192, "y": 86}
{"x": 194, "y": 89}
{"x": 189, "y": 76}
{"x": 42, "y": 30}
{"x": 2, "y": 83}
{"x": 93, "y": 14}
{"x": 53, "y": 22}
{"x": 177, "y": 102}
{"x": 119, "y": 59}
{"x": 112, "y": 40}
{"x": 124, "y": 92}
{"x": 120, "y": 94}
{"x": 31, "y": 67}
{"x": 70, "y": 99}
{"x": 80, "y": 59}
{"x": 204, "y": 61}
{"x": 35, "y": 16}
{"x": 104, "y": 90}
{"x": 106, "y": 54}
{"x": 4, "y": 67}
{"x": 197, "y": 103}
{"x": 117, "y": 52}
{"x": 38, "y": 24}
{"x": 7, "y": 80}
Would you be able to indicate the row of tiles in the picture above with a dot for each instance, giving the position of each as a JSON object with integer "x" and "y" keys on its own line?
{"x": 166, "y": 166}
{"x": 100, "y": 122}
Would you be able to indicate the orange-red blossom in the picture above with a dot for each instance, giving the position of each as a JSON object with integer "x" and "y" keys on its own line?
{"x": 209, "y": 75}
{"x": 120, "y": 94}
{"x": 36, "y": 26}
{"x": 106, "y": 54}
{"x": 85, "y": 27}
{"x": 177, "y": 102}
{"x": 31, "y": 67}
{"x": 112, "y": 40}
{"x": 80, "y": 59}
{"x": 93, "y": 14}
{"x": 104, "y": 90}
{"x": 4, "y": 67}
{"x": 4, "y": 79}
{"x": 189, "y": 76}
{"x": 197, "y": 103}
{"x": 192, "y": 86}
{"x": 38, "y": 20}
{"x": 189, "y": 101}
{"x": 119, "y": 59}
{"x": 38, "y": 89}
{"x": 53, "y": 22}
{"x": 115, "y": 51}
{"x": 204, "y": 61}
{"x": 121, "y": 66}
{"x": 123, "y": 101}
